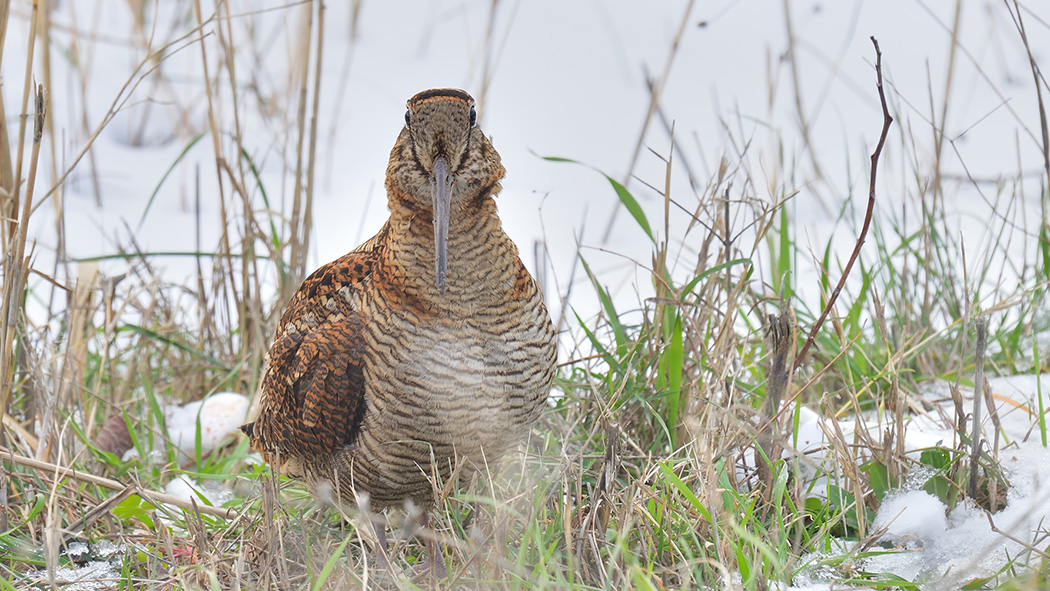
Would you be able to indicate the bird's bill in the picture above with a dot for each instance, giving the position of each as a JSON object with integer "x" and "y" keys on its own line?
{"x": 441, "y": 193}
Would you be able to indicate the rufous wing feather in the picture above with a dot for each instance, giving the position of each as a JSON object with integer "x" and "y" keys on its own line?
{"x": 313, "y": 390}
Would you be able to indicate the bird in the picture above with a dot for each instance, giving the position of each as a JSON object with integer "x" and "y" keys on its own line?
{"x": 425, "y": 349}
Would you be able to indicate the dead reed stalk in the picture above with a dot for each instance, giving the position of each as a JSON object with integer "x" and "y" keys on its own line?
{"x": 978, "y": 401}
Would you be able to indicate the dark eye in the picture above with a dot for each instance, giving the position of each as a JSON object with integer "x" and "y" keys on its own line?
{"x": 473, "y": 117}
{"x": 408, "y": 115}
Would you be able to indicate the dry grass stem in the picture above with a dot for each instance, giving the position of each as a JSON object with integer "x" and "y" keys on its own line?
{"x": 156, "y": 497}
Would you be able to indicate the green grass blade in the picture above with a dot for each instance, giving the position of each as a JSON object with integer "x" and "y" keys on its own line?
{"x": 671, "y": 362}
{"x": 626, "y": 198}
{"x": 178, "y": 345}
{"x": 275, "y": 238}
{"x": 613, "y": 362}
{"x": 331, "y": 562}
{"x": 685, "y": 491}
{"x": 610, "y": 311}
{"x": 167, "y": 173}
{"x": 1039, "y": 391}
{"x": 689, "y": 287}
{"x": 39, "y": 500}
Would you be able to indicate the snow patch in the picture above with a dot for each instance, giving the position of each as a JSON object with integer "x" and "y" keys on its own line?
{"x": 218, "y": 415}
{"x": 926, "y": 543}
{"x": 189, "y": 489}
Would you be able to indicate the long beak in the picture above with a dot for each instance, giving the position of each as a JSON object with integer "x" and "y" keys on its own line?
{"x": 441, "y": 193}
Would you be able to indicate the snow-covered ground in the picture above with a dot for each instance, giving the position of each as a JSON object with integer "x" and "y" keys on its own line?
{"x": 569, "y": 79}
{"x": 927, "y": 542}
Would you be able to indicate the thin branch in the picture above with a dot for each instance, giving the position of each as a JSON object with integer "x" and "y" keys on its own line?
{"x": 886, "y": 121}
{"x": 152, "y": 496}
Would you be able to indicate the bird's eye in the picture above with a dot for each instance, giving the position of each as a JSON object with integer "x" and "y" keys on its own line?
{"x": 408, "y": 115}
{"x": 473, "y": 117}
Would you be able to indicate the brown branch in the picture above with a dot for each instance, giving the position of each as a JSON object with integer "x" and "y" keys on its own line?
{"x": 153, "y": 497}
{"x": 886, "y": 121}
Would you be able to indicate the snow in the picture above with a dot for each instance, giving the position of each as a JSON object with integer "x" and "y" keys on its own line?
{"x": 949, "y": 552}
{"x": 189, "y": 489}
{"x": 77, "y": 551}
{"x": 927, "y": 542}
{"x": 106, "y": 548}
{"x": 567, "y": 80}
{"x": 915, "y": 514}
{"x": 217, "y": 416}
{"x": 97, "y": 574}
{"x": 92, "y": 574}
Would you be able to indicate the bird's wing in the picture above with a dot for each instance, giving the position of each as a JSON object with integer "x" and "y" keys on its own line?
{"x": 313, "y": 390}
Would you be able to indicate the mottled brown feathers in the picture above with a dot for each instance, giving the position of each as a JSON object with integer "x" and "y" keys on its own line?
{"x": 378, "y": 379}
{"x": 314, "y": 389}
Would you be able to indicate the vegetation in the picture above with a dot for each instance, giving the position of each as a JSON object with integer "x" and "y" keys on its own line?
{"x": 664, "y": 460}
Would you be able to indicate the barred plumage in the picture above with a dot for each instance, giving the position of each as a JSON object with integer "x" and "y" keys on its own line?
{"x": 389, "y": 363}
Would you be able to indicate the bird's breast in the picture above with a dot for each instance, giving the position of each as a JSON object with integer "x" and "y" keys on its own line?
{"x": 473, "y": 382}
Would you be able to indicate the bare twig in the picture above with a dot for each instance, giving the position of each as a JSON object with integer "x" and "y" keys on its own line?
{"x": 92, "y": 516}
{"x": 997, "y": 426}
{"x": 121, "y": 99}
{"x": 312, "y": 157}
{"x": 26, "y": 91}
{"x": 40, "y": 110}
{"x": 298, "y": 226}
{"x": 14, "y": 271}
{"x": 893, "y": 438}
{"x": 7, "y": 175}
{"x": 17, "y": 266}
{"x": 938, "y": 129}
{"x": 792, "y": 60}
{"x": 886, "y": 121}
{"x": 12, "y": 423}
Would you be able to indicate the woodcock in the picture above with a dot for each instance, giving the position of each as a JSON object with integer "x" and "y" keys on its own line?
{"x": 426, "y": 347}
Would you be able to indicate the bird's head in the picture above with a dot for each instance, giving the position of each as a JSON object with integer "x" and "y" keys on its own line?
{"x": 442, "y": 161}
